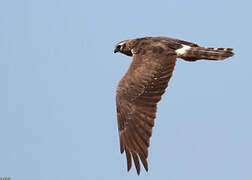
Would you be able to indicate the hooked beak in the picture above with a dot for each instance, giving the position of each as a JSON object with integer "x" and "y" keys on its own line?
{"x": 116, "y": 50}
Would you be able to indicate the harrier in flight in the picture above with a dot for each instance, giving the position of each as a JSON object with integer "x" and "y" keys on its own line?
{"x": 141, "y": 88}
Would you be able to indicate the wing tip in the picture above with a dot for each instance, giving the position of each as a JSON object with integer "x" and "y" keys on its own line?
{"x": 128, "y": 157}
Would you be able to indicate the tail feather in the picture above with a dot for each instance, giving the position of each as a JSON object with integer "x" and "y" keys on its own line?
{"x": 196, "y": 53}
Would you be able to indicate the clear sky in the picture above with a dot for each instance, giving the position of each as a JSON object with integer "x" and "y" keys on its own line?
{"x": 58, "y": 77}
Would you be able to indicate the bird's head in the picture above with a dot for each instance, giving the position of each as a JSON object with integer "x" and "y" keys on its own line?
{"x": 124, "y": 47}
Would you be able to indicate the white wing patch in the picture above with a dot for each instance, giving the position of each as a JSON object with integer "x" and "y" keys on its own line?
{"x": 182, "y": 51}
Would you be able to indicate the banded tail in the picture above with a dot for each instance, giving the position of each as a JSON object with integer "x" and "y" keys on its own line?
{"x": 189, "y": 53}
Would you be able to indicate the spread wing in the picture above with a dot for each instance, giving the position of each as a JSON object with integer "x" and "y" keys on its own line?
{"x": 137, "y": 96}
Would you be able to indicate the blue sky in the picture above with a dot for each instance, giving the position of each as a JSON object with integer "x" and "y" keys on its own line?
{"x": 58, "y": 77}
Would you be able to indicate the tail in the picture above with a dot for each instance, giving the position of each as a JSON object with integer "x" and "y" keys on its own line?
{"x": 189, "y": 53}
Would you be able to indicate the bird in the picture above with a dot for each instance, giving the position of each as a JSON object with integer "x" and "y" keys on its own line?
{"x": 141, "y": 88}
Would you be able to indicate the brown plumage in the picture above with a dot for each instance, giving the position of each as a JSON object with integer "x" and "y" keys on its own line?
{"x": 141, "y": 88}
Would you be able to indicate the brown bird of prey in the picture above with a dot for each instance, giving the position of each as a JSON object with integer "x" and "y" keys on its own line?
{"x": 141, "y": 88}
